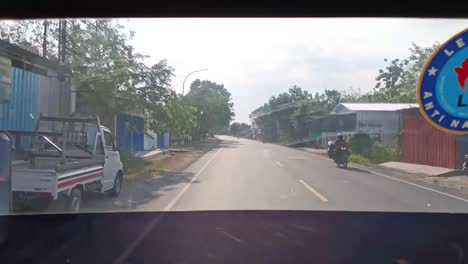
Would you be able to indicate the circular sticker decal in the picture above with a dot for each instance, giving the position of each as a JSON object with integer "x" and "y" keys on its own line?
{"x": 443, "y": 84}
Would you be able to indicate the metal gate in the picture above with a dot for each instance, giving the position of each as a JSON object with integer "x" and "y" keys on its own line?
{"x": 423, "y": 144}
{"x": 130, "y": 132}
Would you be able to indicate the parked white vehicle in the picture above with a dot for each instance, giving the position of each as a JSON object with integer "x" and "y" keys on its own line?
{"x": 69, "y": 156}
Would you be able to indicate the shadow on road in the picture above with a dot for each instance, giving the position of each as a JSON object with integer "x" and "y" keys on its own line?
{"x": 356, "y": 170}
{"x": 228, "y": 144}
{"x": 452, "y": 173}
{"x": 137, "y": 195}
{"x": 142, "y": 192}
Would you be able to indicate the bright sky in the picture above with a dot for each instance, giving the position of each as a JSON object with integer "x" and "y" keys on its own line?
{"x": 256, "y": 58}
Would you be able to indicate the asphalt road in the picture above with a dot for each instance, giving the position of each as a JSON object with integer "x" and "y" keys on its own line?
{"x": 244, "y": 175}
{"x": 241, "y": 174}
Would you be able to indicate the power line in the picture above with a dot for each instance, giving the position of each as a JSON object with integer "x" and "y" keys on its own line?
{"x": 414, "y": 89}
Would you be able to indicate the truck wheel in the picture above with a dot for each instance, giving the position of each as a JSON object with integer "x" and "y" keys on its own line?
{"x": 74, "y": 200}
{"x": 117, "y": 185}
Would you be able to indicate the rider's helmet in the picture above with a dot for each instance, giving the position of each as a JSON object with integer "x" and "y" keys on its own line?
{"x": 340, "y": 136}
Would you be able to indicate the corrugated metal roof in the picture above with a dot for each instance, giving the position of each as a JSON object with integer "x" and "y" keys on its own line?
{"x": 351, "y": 107}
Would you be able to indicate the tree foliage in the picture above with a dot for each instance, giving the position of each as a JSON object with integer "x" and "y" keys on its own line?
{"x": 360, "y": 143}
{"x": 240, "y": 129}
{"x": 213, "y": 104}
{"x": 108, "y": 75}
{"x": 397, "y": 82}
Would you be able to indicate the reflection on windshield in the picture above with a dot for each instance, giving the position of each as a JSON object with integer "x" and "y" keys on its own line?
{"x": 271, "y": 114}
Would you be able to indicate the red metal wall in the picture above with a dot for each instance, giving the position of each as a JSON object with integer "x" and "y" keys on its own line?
{"x": 422, "y": 143}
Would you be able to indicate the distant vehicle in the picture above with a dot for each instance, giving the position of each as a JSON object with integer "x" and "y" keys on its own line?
{"x": 339, "y": 154}
{"x": 69, "y": 156}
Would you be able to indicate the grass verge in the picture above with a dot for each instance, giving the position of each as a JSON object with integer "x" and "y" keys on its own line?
{"x": 140, "y": 169}
{"x": 360, "y": 159}
{"x": 135, "y": 167}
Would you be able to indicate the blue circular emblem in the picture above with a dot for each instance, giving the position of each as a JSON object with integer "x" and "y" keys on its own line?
{"x": 443, "y": 85}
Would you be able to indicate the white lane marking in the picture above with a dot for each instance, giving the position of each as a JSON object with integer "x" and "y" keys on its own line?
{"x": 238, "y": 240}
{"x": 417, "y": 185}
{"x": 279, "y": 163}
{"x": 187, "y": 186}
{"x": 321, "y": 197}
{"x": 299, "y": 158}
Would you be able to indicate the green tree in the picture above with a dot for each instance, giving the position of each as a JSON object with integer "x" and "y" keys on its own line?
{"x": 213, "y": 104}
{"x": 330, "y": 99}
{"x": 240, "y": 129}
{"x": 397, "y": 82}
{"x": 108, "y": 75}
{"x": 301, "y": 116}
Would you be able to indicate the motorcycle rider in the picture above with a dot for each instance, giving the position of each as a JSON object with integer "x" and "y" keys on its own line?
{"x": 337, "y": 145}
{"x": 340, "y": 142}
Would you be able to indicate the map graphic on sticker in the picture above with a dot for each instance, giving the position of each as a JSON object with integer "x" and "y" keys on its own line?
{"x": 442, "y": 90}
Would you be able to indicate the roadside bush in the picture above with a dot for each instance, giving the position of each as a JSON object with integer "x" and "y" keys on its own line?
{"x": 365, "y": 150}
{"x": 360, "y": 143}
{"x": 130, "y": 162}
{"x": 380, "y": 153}
{"x": 358, "y": 158}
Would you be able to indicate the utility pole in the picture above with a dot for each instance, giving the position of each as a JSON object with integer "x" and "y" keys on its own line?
{"x": 59, "y": 55}
{"x": 183, "y": 84}
{"x": 44, "y": 39}
{"x": 62, "y": 46}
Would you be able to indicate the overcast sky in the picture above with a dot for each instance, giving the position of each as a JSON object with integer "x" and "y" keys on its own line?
{"x": 257, "y": 58}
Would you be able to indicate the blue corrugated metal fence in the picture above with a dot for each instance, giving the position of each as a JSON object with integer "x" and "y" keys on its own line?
{"x": 129, "y": 132}
{"x": 20, "y": 113}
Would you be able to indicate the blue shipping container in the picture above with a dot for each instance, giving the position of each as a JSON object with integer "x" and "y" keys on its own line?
{"x": 21, "y": 112}
{"x": 130, "y": 132}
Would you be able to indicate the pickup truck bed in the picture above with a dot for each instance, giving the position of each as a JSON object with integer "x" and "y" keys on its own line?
{"x": 52, "y": 181}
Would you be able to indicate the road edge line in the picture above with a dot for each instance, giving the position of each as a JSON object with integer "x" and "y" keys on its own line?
{"x": 187, "y": 186}
{"x": 415, "y": 184}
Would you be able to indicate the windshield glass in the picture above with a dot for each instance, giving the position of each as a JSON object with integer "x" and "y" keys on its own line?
{"x": 233, "y": 114}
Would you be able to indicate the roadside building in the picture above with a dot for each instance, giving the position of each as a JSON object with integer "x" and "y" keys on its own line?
{"x": 274, "y": 124}
{"x": 380, "y": 120}
{"x": 424, "y": 144}
{"x": 31, "y": 85}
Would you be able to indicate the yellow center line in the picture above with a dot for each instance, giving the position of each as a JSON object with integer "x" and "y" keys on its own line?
{"x": 321, "y": 197}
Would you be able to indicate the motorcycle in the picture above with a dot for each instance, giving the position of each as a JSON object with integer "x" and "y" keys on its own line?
{"x": 340, "y": 156}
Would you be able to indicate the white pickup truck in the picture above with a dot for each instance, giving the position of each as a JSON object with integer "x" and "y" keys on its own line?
{"x": 66, "y": 157}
